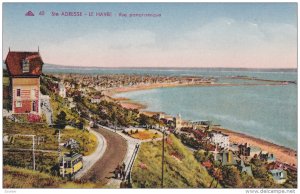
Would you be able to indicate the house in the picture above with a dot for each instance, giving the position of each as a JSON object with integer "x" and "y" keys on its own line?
{"x": 62, "y": 90}
{"x": 96, "y": 99}
{"x": 178, "y": 122}
{"x": 24, "y": 69}
{"x": 268, "y": 157}
{"x": 279, "y": 175}
{"x": 244, "y": 168}
{"x": 284, "y": 166}
{"x": 249, "y": 151}
{"x": 226, "y": 158}
{"x": 234, "y": 147}
{"x": 160, "y": 116}
{"x": 220, "y": 139}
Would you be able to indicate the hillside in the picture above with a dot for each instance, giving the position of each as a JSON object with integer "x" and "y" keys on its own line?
{"x": 181, "y": 168}
{"x": 35, "y": 179}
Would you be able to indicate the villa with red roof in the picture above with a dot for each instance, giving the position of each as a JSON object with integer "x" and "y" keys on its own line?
{"x": 24, "y": 69}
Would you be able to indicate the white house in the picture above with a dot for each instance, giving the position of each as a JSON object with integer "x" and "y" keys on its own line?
{"x": 220, "y": 139}
{"x": 96, "y": 99}
{"x": 279, "y": 175}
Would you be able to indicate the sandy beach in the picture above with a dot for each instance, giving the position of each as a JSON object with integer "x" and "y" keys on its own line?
{"x": 128, "y": 103}
{"x": 113, "y": 91}
{"x": 283, "y": 154}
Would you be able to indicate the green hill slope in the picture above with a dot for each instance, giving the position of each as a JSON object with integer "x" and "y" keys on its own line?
{"x": 24, "y": 178}
{"x": 181, "y": 168}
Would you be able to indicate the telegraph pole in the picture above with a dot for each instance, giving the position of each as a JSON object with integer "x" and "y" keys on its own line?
{"x": 33, "y": 156}
{"x": 162, "y": 161}
{"x": 59, "y": 156}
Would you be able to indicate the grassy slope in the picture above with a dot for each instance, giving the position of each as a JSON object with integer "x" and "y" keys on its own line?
{"x": 87, "y": 141}
{"x": 181, "y": 172}
{"x": 44, "y": 161}
{"x": 24, "y": 178}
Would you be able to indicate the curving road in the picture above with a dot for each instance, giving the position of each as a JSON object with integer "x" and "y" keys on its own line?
{"x": 101, "y": 172}
{"x": 89, "y": 161}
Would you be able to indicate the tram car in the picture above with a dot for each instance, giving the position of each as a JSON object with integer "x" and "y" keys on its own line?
{"x": 70, "y": 164}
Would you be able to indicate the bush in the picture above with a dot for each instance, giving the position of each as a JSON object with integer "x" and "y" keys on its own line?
{"x": 33, "y": 118}
{"x": 231, "y": 177}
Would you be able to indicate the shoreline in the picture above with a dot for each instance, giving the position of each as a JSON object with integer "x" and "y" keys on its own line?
{"x": 282, "y": 153}
{"x": 112, "y": 91}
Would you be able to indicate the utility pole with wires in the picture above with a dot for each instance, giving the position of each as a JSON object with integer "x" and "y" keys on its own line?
{"x": 60, "y": 155}
{"x": 33, "y": 155}
{"x": 163, "y": 160}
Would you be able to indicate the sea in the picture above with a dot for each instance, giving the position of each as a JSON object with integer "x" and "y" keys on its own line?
{"x": 263, "y": 111}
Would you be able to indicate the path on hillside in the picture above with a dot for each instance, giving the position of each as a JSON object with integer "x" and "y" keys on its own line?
{"x": 102, "y": 171}
{"x": 90, "y": 160}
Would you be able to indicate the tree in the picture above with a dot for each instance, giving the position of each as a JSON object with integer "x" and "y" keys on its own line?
{"x": 259, "y": 172}
{"x": 143, "y": 119}
{"x": 231, "y": 177}
{"x": 61, "y": 120}
{"x": 249, "y": 181}
{"x": 200, "y": 155}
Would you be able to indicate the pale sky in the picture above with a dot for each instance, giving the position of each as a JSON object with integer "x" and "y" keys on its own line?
{"x": 247, "y": 35}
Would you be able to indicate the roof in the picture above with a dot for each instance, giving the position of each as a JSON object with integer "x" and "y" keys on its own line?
{"x": 276, "y": 170}
{"x": 96, "y": 97}
{"x": 14, "y": 63}
{"x": 69, "y": 157}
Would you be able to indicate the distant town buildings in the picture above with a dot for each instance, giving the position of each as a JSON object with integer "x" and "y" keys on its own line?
{"x": 24, "y": 69}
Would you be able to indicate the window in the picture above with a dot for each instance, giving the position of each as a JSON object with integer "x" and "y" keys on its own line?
{"x": 18, "y": 104}
{"x": 25, "y": 64}
{"x": 18, "y": 92}
{"x": 34, "y": 106}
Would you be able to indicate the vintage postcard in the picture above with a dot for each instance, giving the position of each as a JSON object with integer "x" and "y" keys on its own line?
{"x": 150, "y": 95}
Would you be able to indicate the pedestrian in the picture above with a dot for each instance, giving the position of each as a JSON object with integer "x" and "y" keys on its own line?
{"x": 123, "y": 175}
{"x": 123, "y": 166}
{"x": 116, "y": 173}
